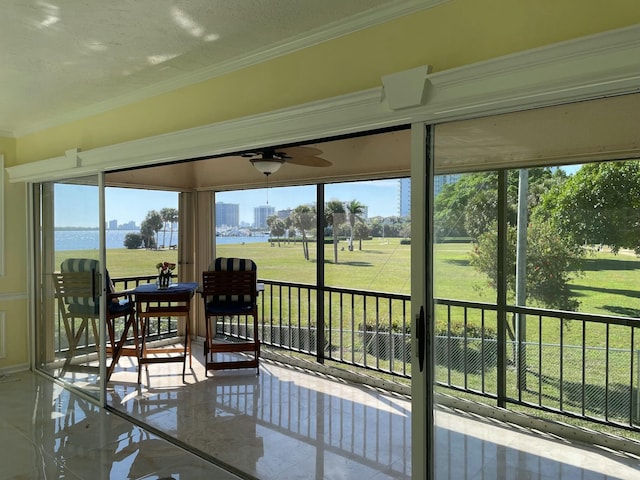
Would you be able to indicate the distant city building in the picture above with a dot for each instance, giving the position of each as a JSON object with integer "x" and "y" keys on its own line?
{"x": 128, "y": 226}
{"x": 284, "y": 213}
{"x": 227, "y": 214}
{"x": 404, "y": 191}
{"x": 404, "y": 197}
{"x": 440, "y": 181}
{"x": 260, "y": 215}
{"x": 112, "y": 225}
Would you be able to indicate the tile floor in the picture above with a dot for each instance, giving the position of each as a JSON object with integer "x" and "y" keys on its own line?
{"x": 285, "y": 423}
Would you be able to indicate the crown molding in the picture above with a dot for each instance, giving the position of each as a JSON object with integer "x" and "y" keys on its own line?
{"x": 597, "y": 65}
{"x": 600, "y": 65}
{"x": 313, "y": 37}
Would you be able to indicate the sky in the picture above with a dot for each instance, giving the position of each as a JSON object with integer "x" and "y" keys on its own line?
{"x": 77, "y": 205}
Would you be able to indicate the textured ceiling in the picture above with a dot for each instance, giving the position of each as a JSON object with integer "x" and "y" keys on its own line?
{"x": 62, "y": 59}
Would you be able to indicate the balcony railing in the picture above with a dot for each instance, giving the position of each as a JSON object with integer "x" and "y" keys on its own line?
{"x": 579, "y": 365}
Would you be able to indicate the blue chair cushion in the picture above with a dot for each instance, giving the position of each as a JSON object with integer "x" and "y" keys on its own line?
{"x": 230, "y": 308}
{"x": 123, "y": 306}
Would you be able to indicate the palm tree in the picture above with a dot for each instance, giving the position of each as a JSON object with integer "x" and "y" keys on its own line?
{"x": 355, "y": 209}
{"x": 170, "y": 216}
{"x": 276, "y": 227}
{"x": 361, "y": 232}
{"x": 151, "y": 225}
{"x": 303, "y": 218}
{"x": 335, "y": 214}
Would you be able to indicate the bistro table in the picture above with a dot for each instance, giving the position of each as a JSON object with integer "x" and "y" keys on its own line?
{"x": 154, "y": 302}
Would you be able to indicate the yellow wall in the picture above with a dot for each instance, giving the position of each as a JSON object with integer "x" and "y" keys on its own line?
{"x": 449, "y": 35}
{"x": 13, "y": 284}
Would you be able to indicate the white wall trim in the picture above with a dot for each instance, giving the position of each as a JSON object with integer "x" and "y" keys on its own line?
{"x": 11, "y": 297}
{"x": 594, "y": 66}
{"x": 3, "y": 335}
{"x": 20, "y": 367}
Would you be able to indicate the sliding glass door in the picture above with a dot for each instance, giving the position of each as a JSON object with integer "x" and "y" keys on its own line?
{"x": 68, "y": 242}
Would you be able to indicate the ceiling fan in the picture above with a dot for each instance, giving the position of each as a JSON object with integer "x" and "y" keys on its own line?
{"x": 269, "y": 160}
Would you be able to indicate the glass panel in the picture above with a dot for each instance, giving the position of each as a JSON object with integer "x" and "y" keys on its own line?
{"x": 367, "y": 235}
{"x": 465, "y": 231}
{"x": 275, "y": 227}
{"x": 141, "y": 231}
{"x": 69, "y": 277}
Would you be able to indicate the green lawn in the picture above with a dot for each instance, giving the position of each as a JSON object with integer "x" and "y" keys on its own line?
{"x": 609, "y": 286}
{"x": 380, "y": 265}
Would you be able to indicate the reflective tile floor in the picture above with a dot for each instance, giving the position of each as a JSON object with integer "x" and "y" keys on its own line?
{"x": 286, "y": 423}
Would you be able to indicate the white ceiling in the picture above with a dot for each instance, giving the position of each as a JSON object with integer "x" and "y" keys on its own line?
{"x": 64, "y": 59}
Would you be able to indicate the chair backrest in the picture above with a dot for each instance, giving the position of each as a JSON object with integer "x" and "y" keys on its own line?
{"x": 78, "y": 282}
{"x": 230, "y": 280}
{"x": 232, "y": 264}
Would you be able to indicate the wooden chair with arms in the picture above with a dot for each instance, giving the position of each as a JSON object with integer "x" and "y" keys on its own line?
{"x": 77, "y": 288}
{"x": 229, "y": 288}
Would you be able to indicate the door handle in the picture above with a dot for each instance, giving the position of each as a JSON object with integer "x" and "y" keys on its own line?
{"x": 422, "y": 337}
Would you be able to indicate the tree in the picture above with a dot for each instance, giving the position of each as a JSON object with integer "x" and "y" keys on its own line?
{"x": 469, "y": 206}
{"x": 551, "y": 264}
{"x": 150, "y": 226}
{"x": 147, "y": 233}
{"x": 550, "y": 260}
{"x": 355, "y": 209}
{"x": 169, "y": 216}
{"x": 335, "y": 215}
{"x": 600, "y": 204}
{"x": 303, "y": 218}
{"x": 361, "y": 232}
{"x": 276, "y": 226}
{"x": 132, "y": 240}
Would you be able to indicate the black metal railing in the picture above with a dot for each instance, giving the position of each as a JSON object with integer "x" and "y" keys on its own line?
{"x": 363, "y": 328}
{"x": 575, "y": 364}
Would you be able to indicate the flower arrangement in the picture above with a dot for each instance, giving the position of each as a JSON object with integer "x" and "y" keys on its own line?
{"x": 164, "y": 273}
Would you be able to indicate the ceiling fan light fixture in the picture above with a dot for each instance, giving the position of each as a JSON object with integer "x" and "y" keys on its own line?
{"x": 267, "y": 166}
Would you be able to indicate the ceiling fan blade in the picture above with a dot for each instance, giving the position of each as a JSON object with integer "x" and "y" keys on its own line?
{"x": 309, "y": 161}
{"x": 293, "y": 152}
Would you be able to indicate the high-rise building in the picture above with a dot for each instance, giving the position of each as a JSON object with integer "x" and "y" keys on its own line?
{"x": 260, "y": 215}
{"x": 130, "y": 225}
{"x": 440, "y": 181}
{"x": 227, "y": 214}
{"x": 404, "y": 191}
{"x": 112, "y": 225}
{"x": 404, "y": 197}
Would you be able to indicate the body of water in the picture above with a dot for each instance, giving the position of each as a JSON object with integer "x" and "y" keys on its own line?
{"x": 88, "y": 239}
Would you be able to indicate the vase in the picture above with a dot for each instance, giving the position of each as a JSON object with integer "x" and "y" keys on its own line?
{"x": 163, "y": 281}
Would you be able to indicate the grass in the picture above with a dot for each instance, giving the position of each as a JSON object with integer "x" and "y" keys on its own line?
{"x": 380, "y": 265}
{"x": 608, "y": 287}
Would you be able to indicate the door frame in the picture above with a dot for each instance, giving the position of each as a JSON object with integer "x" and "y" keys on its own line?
{"x": 36, "y": 211}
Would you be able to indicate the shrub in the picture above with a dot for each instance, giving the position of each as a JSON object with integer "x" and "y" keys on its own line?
{"x": 133, "y": 241}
